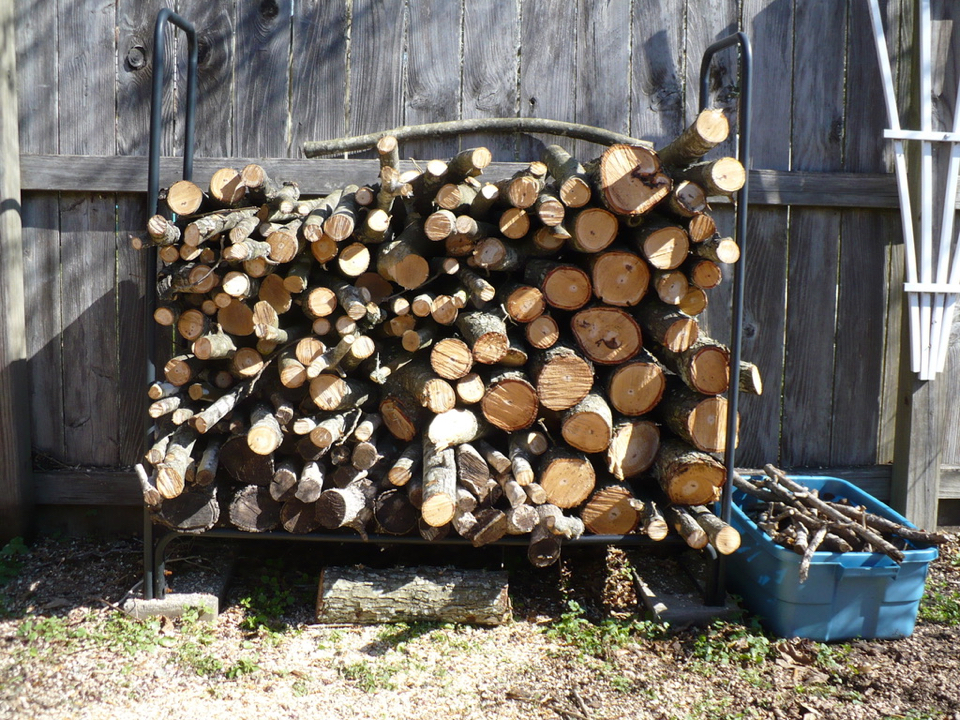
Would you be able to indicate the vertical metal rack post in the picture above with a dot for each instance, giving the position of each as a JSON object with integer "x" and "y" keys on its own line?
{"x": 154, "y": 552}
{"x": 153, "y": 193}
{"x": 715, "y": 592}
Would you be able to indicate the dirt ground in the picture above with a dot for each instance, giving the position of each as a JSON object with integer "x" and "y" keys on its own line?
{"x": 579, "y": 647}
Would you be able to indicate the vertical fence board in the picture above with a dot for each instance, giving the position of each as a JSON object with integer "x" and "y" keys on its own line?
{"x": 216, "y": 38}
{"x": 490, "y": 31}
{"x": 818, "y": 87}
{"x": 88, "y": 237}
{"x": 38, "y": 96}
{"x": 261, "y": 109}
{"x": 319, "y": 73}
{"x": 432, "y": 88}
{"x": 548, "y": 73}
{"x": 657, "y": 79}
{"x": 376, "y": 67}
{"x": 603, "y": 69}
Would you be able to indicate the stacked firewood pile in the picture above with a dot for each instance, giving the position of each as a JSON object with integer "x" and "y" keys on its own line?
{"x": 797, "y": 518}
{"x": 439, "y": 354}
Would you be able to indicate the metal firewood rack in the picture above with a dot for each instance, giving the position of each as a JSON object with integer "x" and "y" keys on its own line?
{"x": 155, "y": 546}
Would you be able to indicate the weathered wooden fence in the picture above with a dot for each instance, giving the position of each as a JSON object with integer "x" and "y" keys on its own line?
{"x": 823, "y": 308}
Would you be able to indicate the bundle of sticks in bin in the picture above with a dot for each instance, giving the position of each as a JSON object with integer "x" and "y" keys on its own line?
{"x": 438, "y": 354}
{"x": 797, "y": 518}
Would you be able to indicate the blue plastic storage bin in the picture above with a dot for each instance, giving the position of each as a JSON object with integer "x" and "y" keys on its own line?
{"x": 846, "y": 595}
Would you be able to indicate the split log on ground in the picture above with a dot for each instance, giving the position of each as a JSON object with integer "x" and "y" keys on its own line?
{"x": 618, "y": 277}
{"x": 573, "y": 185}
{"x": 592, "y": 229}
{"x": 564, "y": 286}
{"x": 439, "y": 484}
{"x": 723, "y": 537}
{"x": 609, "y": 511}
{"x": 561, "y": 376}
{"x": 486, "y": 335}
{"x": 193, "y": 511}
{"x": 667, "y": 325}
{"x": 700, "y": 420}
{"x": 629, "y": 179}
{"x": 704, "y": 366}
{"x": 588, "y": 425}
{"x": 350, "y": 506}
{"x": 688, "y": 476}
{"x": 708, "y": 130}
{"x": 510, "y": 401}
{"x": 567, "y": 477}
{"x": 422, "y": 594}
{"x": 607, "y": 335}
{"x": 663, "y": 243}
{"x": 633, "y": 448}
{"x": 299, "y": 517}
{"x": 723, "y": 176}
{"x": 253, "y": 510}
{"x": 686, "y": 527}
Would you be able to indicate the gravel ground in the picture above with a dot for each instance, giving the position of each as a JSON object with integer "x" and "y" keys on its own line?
{"x": 577, "y": 648}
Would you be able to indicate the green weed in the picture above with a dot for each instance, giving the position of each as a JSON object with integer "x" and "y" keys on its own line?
{"x": 370, "y": 678}
{"x": 727, "y": 643}
{"x": 599, "y": 639}
{"x": 941, "y": 606}
{"x": 243, "y": 666}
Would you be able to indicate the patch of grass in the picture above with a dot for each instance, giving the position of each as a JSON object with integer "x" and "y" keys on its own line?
{"x": 243, "y": 666}
{"x": 725, "y": 643}
{"x": 117, "y": 632}
{"x": 266, "y": 605}
{"x": 599, "y": 639}
{"x": 369, "y": 677}
{"x": 941, "y": 606}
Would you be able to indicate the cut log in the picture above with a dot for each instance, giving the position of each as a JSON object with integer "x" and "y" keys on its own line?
{"x": 299, "y": 517}
{"x": 185, "y": 198}
{"x": 521, "y": 460}
{"x": 703, "y": 273}
{"x": 177, "y": 462}
{"x": 592, "y": 230}
{"x": 607, "y": 335}
{"x": 686, "y": 200}
{"x": 719, "y": 249}
{"x": 350, "y": 506}
{"x": 666, "y": 325}
{"x": 708, "y": 130}
{"x": 664, "y": 244}
{"x": 455, "y": 427}
{"x": 402, "y": 416}
{"x": 724, "y": 538}
{"x": 750, "y": 381}
{"x": 439, "y": 483}
{"x": 542, "y": 333}
{"x": 561, "y": 376}
{"x": 671, "y": 286}
{"x": 568, "y": 478}
{"x": 687, "y": 475}
{"x": 418, "y": 380}
{"x": 635, "y": 388}
{"x": 451, "y": 358}
{"x": 587, "y": 426}
{"x": 333, "y": 393}
{"x": 253, "y": 510}
{"x": 700, "y": 420}
{"x": 723, "y": 176}
{"x": 486, "y": 335}
{"x": 609, "y": 511}
{"x": 573, "y": 185}
{"x": 633, "y": 448}
{"x": 629, "y": 180}
{"x": 653, "y": 524}
{"x": 407, "y": 462}
{"x": 618, "y": 277}
{"x": 686, "y": 527}
{"x": 704, "y": 366}
{"x": 510, "y": 401}
{"x": 265, "y": 434}
{"x": 283, "y": 484}
{"x": 423, "y": 594}
{"x": 564, "y": 286}
{"x": 470, "y": 388}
